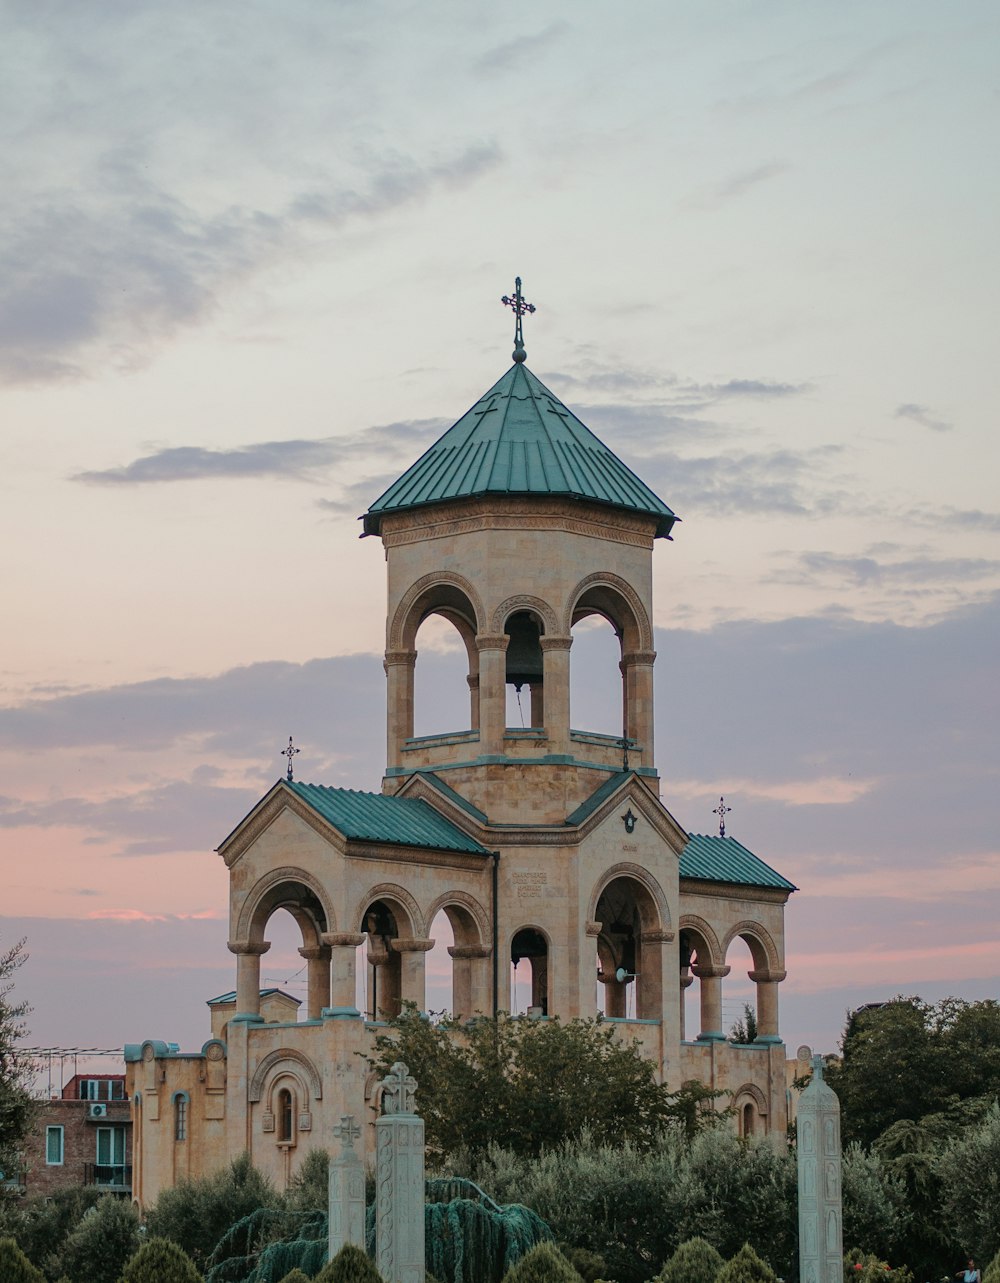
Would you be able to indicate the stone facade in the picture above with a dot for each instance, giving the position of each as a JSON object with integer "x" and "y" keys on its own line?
{"x": 572, "y": 866}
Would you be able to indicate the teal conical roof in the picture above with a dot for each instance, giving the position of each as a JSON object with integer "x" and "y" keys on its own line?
{"x": 519, "y": 439}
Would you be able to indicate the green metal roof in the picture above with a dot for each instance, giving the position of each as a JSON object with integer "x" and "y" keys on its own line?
{"x": 519, "y": 439}
{"x": 373, "y": 817}
{"x": 264, "y": 993}
{"x": 715, "y": 859}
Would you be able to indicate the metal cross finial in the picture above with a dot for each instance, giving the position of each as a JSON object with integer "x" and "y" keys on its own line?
{"x": 289, "y": 752}
{"x": 520, "y": 308}
{"x": 722, "y": 811}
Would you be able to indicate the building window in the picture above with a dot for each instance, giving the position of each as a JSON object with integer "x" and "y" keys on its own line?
{"x": 286, "y": 1123}
{"x": 748, "y": 1120}
{"x": 180, "y": 1117}
{"x": 54, "y": 1146}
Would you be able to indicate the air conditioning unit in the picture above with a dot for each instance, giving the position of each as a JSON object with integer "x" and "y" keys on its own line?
{"x": 97, "y": 1111}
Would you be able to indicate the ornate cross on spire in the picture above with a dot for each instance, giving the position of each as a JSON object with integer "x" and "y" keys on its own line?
{"x": 289, "y": 752}
{"x": 520, "y": 308}
{"x": 722, "y": 811}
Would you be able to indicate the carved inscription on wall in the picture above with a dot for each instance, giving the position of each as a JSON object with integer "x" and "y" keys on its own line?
{"x": 528, "y": 885}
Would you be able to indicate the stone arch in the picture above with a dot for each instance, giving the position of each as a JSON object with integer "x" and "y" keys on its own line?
{"x": 748, "y": 1101}
{"x": 541, "y": 978}
{"x": 615, "y": 598}
{"x": 441, "y": 593}
{"x": 750, "y": 1091}
{"x": 524, "y": 602}
{"x": 697, "y": 926}
{"x": 298, "y": 1065}
{"x": 265, "y": 898}
{"x": 760, "y": 941}
{"x": 636, "y": 873}
{"x": 472, "y": 907}
{"x": 398, "y": 898}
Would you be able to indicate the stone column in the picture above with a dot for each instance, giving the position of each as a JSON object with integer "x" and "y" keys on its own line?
{"x": 649, "y": 964}
{"x": 399, "y": 1181}
{"x": 343, "y": 974}
{"x": 767, "y": 982}
{"x": 470, "y": 982}
{"x": 492, "y": 692}
{"x": 821, "y": 1255}
{"x": 687, "y": 980}
{"x": 711, "y": 1002}
{"x": 413, "y": 986}
{"x": 248, "y": 956}
{"x": 473, "y": 680}
{"x": 346, "y": 1190}
{"x": 399, "y": 666}
{"x": 318, "y": 979}
{"x": 384, "y": 984}
{"x": 555, "y": 653}
{"x": 637, "y": 672}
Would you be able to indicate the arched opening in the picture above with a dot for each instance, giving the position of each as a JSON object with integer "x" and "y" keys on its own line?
{"x": 747, "y": 1114}
{"x": 525, "y": 670}
{"x": 629, "y": 949}
{"x": 282, "y": 967}
{"x": 701, "y": 1009}
{"x": 384, "y": 973}
{"x": 440, "y": 682}
{"x": 181, "y": 1116}
{"x": 440, "y": 977}
{"x": 739, "y": 994}
{"x": 596, "y": 687}
{"x": 286, "y": 1116}
{"x": 623, "y": 676}
{"x": 529, "y": 973}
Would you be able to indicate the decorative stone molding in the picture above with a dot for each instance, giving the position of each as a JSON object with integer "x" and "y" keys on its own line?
{"x": 267, "y": 1121}
{"x": 750, "y": 1092}
{"x": 655, "y": 936}
{"x": 403, "y": 629}
{"x": 523, "y": 601}
{"x": 285, "y": 1057}
{"x": 305, "y": 1121}
{"x": 280, "y": 799}
{"x": 315, "y": 953}
{"x": 629, "y": 597}
{"x": 734, "y": 891}
{"x": 691, "y": 923}
{"x": 248, "y": 925}
{"x": 765, "y": 976}
{"x": 758, "y": 935}
{"x": 500, "y": 513}
{"x": 408, "y": 944}
{"x": 398, "y": 897}
{"x": 405, "y": 657}
{"x": 492, "y": 641}
{"x": 463, "y": 900}
{"x": 249, "y": 947}
{"x": 555, "y": 643}
{"x": 342, "y": 939}
{"x": 418, "y": 855}
{"x": 633, "y": 657}
{"x": 709, "y": 972}
{"x": 593, "y": 929}
{"x": 635, "y": 873}
{"x": 469, "y": 950}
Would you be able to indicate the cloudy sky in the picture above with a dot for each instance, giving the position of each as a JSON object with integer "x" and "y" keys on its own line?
{"x": 251, "y": 258}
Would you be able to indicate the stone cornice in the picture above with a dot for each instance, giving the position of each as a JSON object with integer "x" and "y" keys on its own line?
{"x": 734, "y": 891}
{"x": 416, "y": 855}
{"x": 502, "y": 512}
{"x": 279, "y": 799}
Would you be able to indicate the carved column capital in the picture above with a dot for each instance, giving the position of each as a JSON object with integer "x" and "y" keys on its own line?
{"x": 707, "y": 972}
{"x": 251, "y": 947}
{"x": 764, "y": 975}
{"x": 342, "y": 939}
{"x": 315, "y": 953}
{"x": 594, "y": 928}
{"x": 555, "y": 643}
{"x": 633, "y": 657}
{"x": 657, "y": 935}
{"x": 410, "y": 944}
{"x": 470, "y": 950}
{"x": 492, "y": 641}
{"x": 407, "y": 657}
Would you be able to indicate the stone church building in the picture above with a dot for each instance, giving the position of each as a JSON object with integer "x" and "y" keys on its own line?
{"x": 544, "y": 845}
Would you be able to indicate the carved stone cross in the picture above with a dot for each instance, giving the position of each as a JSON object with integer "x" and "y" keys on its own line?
{"x": 399, "y": 1090}
{"x": 347, "y": 1132}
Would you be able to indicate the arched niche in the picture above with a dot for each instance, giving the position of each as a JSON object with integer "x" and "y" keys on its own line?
{"x": 387, "y": 915}
{"x": 633, "y": 921}
{"x": 458, "y": 967}
{"x": 530, "y": 972}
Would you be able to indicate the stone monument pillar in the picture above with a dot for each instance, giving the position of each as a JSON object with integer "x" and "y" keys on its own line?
{"x": 399, "y": 1181}
{"x": 821, "y": 1253}
{"x": 347, "y": 1190}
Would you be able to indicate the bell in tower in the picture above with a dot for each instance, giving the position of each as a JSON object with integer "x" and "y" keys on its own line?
{"x": 525, "y": 664}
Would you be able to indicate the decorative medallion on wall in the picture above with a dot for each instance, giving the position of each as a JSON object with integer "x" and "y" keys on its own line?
{"x": 628, "y": 819}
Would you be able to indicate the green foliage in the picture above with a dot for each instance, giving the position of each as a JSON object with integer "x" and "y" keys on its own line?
{"x": 469, "y": 1242}
{"x": 526, "y": 1084}
{"x": 746, "y": 1267}
{"x": 295, "y": 1276}
{"x": 543, "y": 1264}
{"x": 309, "y": 1188}
{"x": 264, "y": 1245}
{"x": 905, "y": 1059}
{"x": 41, "y": 1225}
{"x": 744, "y": 1031}
{"x": 860, "y": 1267}
{"x": 877, "y": 1206}
{"x": 18, "y": 1108}
{"x": 350, "y": 1265}
{"x": 197, "y": 1213}
{"x": 969, "y": 1175}
{"x": 160, "y": 1261}
{"x": 695, "y": 1261}
{"x": 992, "y": 1272}
{"x": 97, "y": 1250}
{"x": 589, "y": 1265}
{"x": 15, "y": 1266}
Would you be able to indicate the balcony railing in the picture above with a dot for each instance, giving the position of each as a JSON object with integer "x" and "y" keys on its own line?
{"x": 109, "y": 1176}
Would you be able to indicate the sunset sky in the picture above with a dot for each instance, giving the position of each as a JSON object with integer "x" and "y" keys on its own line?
{"x": 251, "y": 258}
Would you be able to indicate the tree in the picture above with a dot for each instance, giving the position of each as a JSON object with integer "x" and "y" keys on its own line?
{"x": 17, "y": 1106}
{"x": 543, "y": 1264}
{"x": 527, "y": 1085}
{"x": 695, "y": 1261}
{"x": 969, "y": 1174}
{"x": 295, "y": 1276}
{"x": 905, "y": 1059}
{"x": 745, "y": 1029}
{"x": 350, "y": 1265}
{"x": 41, "y": 1225}
{"x": 746, "y": 1267}
{"x": 309, "y": 1188}
{"x": 15, "y": 1266}
{"x": 160, "y": 1261}
{"x": 107, "y": 1237}
{"x": 196, "y": 1213}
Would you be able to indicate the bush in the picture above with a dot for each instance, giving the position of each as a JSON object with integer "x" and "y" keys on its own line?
{"x": 41, "y": 1225}
{"x": 196, "y": 1213}
{"x": 543, "y": 1264}
{"x": 746, "y": 1267}
{"x": 295, "y": 1276}
{"x": 877, "y": 1211}
{"x": 992, "y": 1271}
{"x": 309, "y": 1188}
{"x": 590, "y": 1266}
{"x": 350, "y": 1265}
{"x": 969, "y": 1171}
{"x": 15, "y": 1266}
{"x": 861, "y": 1267}
{"x": 695, "y": 1261}
{"x": 107, "y": 1237}
{"x": 160, "y": 1261}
